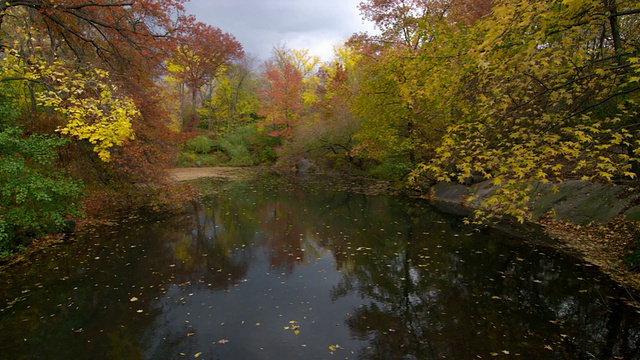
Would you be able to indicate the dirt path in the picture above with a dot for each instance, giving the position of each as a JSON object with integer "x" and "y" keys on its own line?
{"x": 234, "y": 173}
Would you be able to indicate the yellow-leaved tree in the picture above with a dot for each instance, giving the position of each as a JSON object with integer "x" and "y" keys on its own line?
{"x": 92, "y": 107}
{"x": 555, "y": 96}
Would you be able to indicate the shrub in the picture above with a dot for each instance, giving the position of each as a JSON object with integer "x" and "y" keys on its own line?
{"x": 201, "y": 144}
{"x": 35, "y": 195}
{"x": 391, "y": 169}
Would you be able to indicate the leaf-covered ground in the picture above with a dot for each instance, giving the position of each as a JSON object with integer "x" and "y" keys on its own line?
{"x": 605, "y": 246}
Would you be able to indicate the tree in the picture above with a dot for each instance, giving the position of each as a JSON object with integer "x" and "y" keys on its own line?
{"x": 200, "y": 55}
{"x": 416, "y": 69}
{"x": 281, "y": 97}
{"x": 326, "y": 134}
{"x": 36, "y": 195}
{"x": 119, "y": 33}
{"x": 555, "y": 96}
{"x": 232, "y": 96}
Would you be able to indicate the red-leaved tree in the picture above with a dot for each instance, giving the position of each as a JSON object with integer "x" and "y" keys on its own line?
{"x": 281, "y": 98}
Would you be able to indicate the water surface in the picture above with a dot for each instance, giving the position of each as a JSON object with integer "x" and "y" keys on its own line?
{"x": 281, "y": 270}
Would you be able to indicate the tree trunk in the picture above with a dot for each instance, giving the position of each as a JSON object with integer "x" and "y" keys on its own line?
{"x": 615, "y": 27}
{"x": 194, "y": 98}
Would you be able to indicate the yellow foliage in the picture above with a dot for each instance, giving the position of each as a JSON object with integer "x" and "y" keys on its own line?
{"x": 93, "y": 108}
{"x": 103, "y": 119}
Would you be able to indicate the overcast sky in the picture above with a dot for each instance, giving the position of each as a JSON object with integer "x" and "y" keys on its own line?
{"x": 258, "y": 25}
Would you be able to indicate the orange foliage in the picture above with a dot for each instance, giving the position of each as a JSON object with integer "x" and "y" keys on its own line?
{"x": 281, "y": 97}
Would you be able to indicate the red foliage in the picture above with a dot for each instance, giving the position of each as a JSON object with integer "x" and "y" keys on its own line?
{"x": 201, "y": 51}
{"x": 404, "y": 21}
{"x": 281, "y": 97}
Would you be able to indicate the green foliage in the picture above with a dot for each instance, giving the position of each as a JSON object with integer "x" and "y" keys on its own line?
{"x": 248, "y": 147}
{"x": 35, "y": 196}
{"x": 391, "y": 169}
{"x": 201, "y": 144}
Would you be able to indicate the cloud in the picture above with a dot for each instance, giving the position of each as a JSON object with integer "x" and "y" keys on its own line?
{"x": 258, "y": 25}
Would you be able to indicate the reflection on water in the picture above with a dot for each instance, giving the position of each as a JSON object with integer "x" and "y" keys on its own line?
{"x": 281, "y": 271}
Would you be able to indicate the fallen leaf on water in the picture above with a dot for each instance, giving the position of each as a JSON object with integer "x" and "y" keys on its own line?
{"x": 133, "y": 299}
{"x": 197, "y": 355}
{"x": 223, "y": 341}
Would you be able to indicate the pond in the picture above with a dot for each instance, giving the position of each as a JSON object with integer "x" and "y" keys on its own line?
{"x": 283, "y": 269}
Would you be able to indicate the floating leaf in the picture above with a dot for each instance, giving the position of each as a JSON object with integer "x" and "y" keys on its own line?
{"x": 223, "y": 341}
{"x": 197, "y": 355}
{"x": 133, "y": 299}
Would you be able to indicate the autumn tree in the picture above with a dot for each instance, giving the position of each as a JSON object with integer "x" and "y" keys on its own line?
{"x": 416, "y": 67}
{"x": 200, "y": 55}
{"x": 281, "y": 96}
{"x": 554, "y": 96}
{"x": 90, "y": 69}
{"x": 327, "y": 134}
{"x": 232, "y": 96}
{"x": 119, "y": 33}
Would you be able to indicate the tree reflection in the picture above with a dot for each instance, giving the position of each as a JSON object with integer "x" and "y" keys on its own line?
{"x": 418, "y": 285}
{"x": 432, "y": 292}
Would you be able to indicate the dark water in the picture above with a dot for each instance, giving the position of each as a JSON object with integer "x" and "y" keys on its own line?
{"x": 269, "y": 271}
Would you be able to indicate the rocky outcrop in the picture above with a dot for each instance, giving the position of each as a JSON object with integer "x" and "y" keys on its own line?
{"x": 577, "y": 201}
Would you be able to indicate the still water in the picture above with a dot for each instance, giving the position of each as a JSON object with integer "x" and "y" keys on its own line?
{"x": 284, "y": 270}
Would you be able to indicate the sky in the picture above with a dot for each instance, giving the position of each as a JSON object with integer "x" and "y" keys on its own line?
{"x": 316, "y": 25}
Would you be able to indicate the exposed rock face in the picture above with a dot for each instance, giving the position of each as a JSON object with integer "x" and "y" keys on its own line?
{"x": 580, "y": 202}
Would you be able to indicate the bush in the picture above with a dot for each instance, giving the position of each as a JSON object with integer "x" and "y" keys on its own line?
{"x": 248, "y": 147}
{"x": 201, "y": 160}
{"x": 201, "y": 144}
{"x": 35, "y": 195}
{"x": 391, "y": 169}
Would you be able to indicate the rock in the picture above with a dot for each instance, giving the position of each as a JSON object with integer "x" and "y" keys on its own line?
{"x": 577, "y": 201}
{"x": 450, "y": 192}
